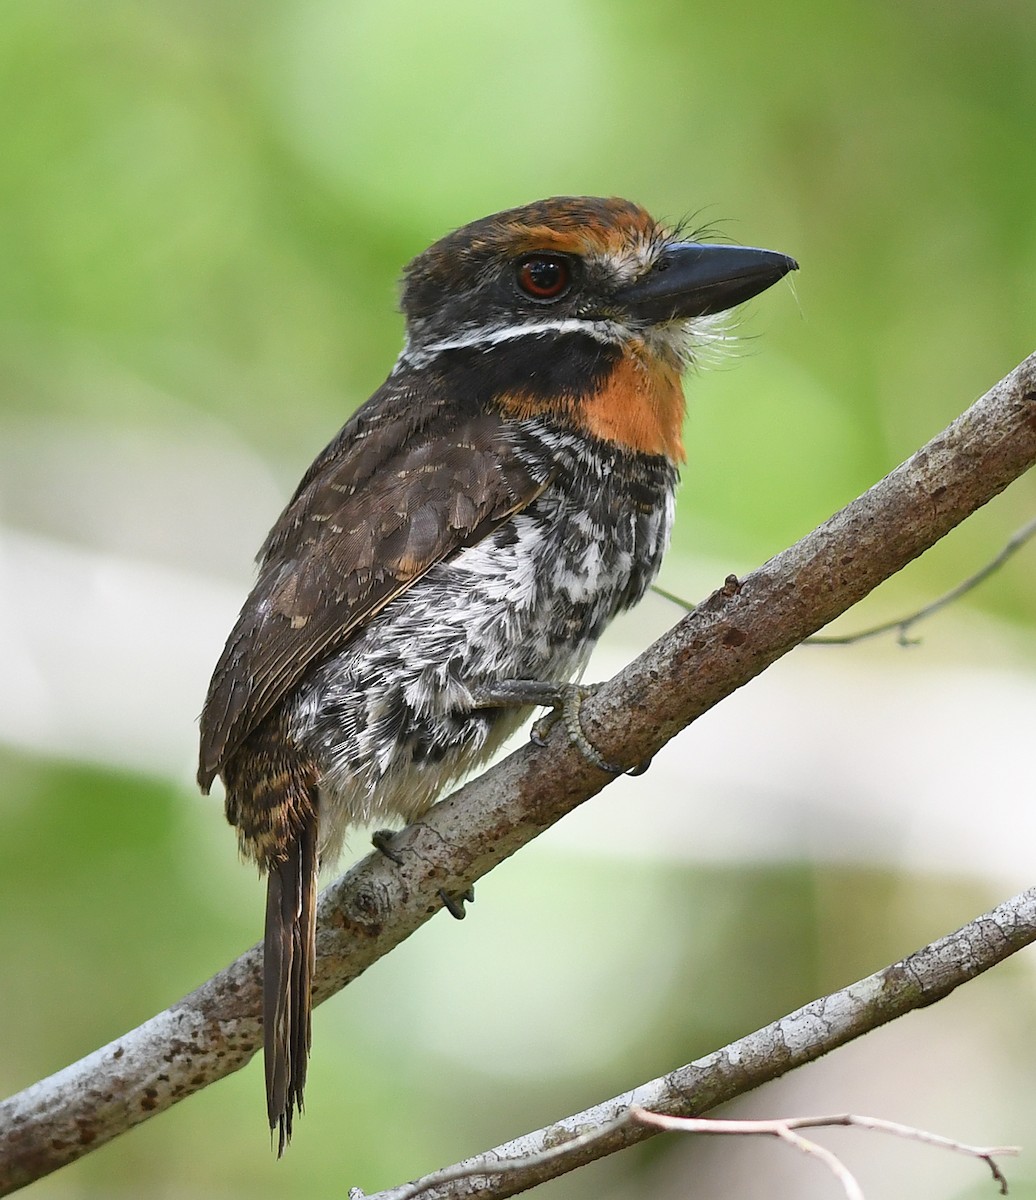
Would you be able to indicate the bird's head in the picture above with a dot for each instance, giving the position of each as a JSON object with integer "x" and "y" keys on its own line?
{"x": 583, "y": 309}
{"x": 570, "y": 264}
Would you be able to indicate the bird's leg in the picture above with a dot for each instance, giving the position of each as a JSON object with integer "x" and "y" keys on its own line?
{"x": 454, "y": 905}
{"x": 565, "y": 700}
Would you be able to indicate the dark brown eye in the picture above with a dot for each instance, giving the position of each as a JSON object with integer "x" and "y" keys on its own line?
{"x": 544, "y": 276}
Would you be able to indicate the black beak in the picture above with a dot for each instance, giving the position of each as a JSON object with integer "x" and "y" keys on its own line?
{"x": 691, "y": 279}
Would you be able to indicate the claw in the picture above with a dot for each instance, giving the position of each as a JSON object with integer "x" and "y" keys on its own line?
{"x": 541, "y": 728}
{"x": 640, "y": 768}
{"x": 381, "y": 839}
{"x": 454, "y": 905}
{"x": 567, "y": 709}
{"x": 564, "y": 702}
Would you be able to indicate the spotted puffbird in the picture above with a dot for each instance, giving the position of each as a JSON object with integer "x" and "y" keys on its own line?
{"x": 456, "y": 551}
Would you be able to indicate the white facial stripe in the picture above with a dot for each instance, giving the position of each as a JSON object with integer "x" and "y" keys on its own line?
{"x": 608, "y": 332}
{"x": 681, "y": 342}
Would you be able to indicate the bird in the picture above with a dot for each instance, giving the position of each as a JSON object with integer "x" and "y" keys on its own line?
{"x": 451, "y": 558}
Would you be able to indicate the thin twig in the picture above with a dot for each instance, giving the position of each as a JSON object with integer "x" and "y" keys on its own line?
{"x": 905, "y": 624}
{"x": 781, "y": 1126}
{"x": 834, "y": 1164}
{"x": 902, "y": 624}
{"x": 690, "y": 1090}
{"x": 785, "y": 1128}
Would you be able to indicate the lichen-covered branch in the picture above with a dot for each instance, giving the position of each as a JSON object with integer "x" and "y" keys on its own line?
{"x": 730, "y": 638}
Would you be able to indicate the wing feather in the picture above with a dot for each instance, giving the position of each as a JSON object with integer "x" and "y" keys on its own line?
{"x": 381, "y": 506}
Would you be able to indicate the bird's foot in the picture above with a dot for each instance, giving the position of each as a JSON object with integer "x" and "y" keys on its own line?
{"x": 454, "y": 905}
{"x": 565, "y": 701}
{"x": 381, "y": 839}
{"x": 566, "y": 707}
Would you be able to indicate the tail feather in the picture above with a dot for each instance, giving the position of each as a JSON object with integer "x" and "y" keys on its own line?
{"x": 289, "y": 953}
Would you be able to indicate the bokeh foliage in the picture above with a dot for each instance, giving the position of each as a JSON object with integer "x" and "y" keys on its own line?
{"x": 203, "y": 210}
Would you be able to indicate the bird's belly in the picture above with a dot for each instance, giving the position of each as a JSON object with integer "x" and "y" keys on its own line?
{"x": 389, "y": 720}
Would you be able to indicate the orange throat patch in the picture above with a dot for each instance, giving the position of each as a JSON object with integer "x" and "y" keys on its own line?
{"x": 639, "y": 406}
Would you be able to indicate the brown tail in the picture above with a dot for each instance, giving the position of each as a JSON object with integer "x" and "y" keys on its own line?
{"x": 289, "y": 952}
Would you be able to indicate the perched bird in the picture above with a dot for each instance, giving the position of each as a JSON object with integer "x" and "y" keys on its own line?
{"x": 452, "y": 557}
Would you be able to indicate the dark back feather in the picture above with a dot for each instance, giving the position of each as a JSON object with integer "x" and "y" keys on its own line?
{"x": 391, "y": 496}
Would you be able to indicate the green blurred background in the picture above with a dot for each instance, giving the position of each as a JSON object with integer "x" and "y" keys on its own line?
{"x": 204, "y": 208}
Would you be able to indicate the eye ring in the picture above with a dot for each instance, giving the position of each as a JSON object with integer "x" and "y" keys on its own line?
{"x": 544, "y": 277}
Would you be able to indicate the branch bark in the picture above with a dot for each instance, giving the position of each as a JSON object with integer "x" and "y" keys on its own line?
{"x": 928, "y": 975}
{"x": 729, "y": 639}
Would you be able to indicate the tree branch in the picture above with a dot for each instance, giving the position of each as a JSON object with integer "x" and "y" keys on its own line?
{"x": 924, "y": 977}
{"x": 903, "y": 625}
{"x": 731, "y": 637}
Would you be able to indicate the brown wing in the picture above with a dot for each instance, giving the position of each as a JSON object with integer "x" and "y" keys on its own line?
{"x": 385, "y": 502}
